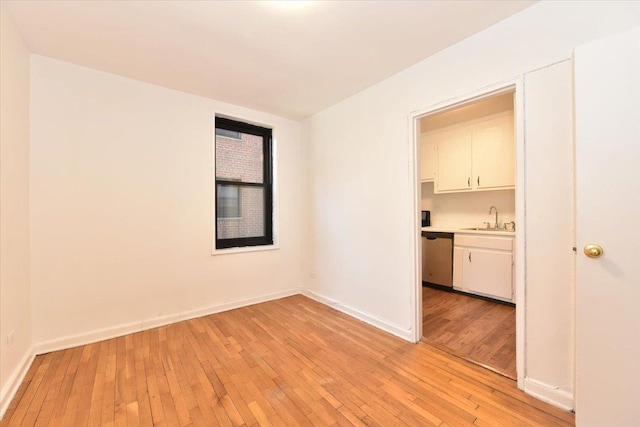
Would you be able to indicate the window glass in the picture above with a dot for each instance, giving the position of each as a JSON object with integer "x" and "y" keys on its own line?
{"x": 250, "y": 223}
{"x": 240, "y": 160}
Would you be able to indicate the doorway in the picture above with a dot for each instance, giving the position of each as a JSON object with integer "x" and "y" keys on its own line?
{"x": 474, "y": 319}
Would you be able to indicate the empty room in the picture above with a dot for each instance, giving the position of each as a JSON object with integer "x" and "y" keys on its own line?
{"x": 360, "y": 213}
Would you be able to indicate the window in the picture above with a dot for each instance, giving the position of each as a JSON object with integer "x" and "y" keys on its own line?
{"x": 243, "y": 193}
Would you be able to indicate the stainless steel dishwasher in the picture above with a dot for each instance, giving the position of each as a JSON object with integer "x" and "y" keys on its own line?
{"x": 437, "y": 258}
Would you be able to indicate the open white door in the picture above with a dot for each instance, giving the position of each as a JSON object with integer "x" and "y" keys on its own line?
{"x": 607, "y": 114}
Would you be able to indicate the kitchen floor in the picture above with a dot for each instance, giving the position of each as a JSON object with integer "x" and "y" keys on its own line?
{"x": 475, "y": 329}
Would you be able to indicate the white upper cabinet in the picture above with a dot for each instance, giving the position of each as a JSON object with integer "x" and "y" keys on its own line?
{"x": 494, "y": 153}
{"x": 475, "y": 156}
{"x": 453, "y": 160}
{"x": 427, "y": 158}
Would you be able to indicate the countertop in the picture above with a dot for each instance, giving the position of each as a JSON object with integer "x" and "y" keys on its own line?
{"x": 461, "y": 230}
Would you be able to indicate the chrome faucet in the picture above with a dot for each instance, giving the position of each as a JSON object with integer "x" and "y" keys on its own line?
{"x": 490, "y": 210}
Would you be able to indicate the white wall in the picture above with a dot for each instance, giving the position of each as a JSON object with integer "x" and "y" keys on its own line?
{"x": 550, "y": 229}
{"x": 121, "y": 207}
{"x": 467, "y": 209}
{"x": 15, "y": 304}
{"x": 360, "y": 151}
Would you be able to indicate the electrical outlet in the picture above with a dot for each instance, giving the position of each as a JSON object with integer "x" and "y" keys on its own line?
{"x": 11, "y": 338}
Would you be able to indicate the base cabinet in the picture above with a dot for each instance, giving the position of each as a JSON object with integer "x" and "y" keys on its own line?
{"x": 488, "y": 273}
{"x": 484, "y": 266}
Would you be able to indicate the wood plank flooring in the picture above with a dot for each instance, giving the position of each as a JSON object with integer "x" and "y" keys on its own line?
{"x": 476, "y": 329}
{"x": 287, "y": 362}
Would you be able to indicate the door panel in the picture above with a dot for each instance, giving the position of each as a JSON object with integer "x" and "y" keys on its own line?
{"x": 458, "y": 266}
{"x": 427, "y": 158}
{"x": 607, "y": 108}
{"x": 453, "y": 161}
{"x": 488, "y": 272}
{"x": 494, "y": 153}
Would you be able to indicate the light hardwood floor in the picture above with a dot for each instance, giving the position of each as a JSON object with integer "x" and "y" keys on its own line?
{"x": 476, "y": 329}
{"x": 288, "y": 362}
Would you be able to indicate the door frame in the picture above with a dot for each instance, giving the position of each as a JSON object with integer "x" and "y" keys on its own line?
{"x": 515, "y": 85}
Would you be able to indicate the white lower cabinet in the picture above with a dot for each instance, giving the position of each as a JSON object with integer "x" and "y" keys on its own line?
{"x": 484, "y": 265}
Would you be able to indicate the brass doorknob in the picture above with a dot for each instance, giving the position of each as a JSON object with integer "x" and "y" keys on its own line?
{"x": 593, "y": 251}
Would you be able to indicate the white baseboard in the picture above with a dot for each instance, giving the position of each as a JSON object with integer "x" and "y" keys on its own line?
{"x": 405, "y": 334}
{"x": 545, "y": 392}
{"x": 548, "y": 393}
{"x": 133, "y": 327}
{"x": 15, "y": 380}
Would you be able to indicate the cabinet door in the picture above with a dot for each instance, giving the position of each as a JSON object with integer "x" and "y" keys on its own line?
{"x": 458, "y": 266}
{"x": 488, "y": 273}
{"x": 427, "y": 158}
{"x": 453, "y": 161}
{"x": 494, "y": 153}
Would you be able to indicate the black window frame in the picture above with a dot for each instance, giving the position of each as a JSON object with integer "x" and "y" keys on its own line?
{"x": 266, "y": 185}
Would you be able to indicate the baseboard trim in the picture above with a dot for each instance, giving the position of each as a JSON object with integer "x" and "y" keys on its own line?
{"x": 548, "y": 393}
{"x": 133, "y": 327}
{"x": 405, "y": 334}
{"x": 15, "y": 380}
{"x": 542, "y": 391}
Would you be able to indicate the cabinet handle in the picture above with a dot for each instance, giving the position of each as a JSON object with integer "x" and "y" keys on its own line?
{"x": 478, "y": 180}
{"x": 469, "y": 182}
{"x": 469, "y": 256}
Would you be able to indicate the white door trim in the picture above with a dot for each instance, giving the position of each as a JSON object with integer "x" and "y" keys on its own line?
{"x": 517, "y": 85}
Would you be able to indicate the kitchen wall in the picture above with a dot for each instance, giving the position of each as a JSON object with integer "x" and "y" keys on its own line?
{"x": 121, "y": 207}
{"x": 15, "y": 304}
{"x": 467, "y": 209}
{"x": 361, "y": 200}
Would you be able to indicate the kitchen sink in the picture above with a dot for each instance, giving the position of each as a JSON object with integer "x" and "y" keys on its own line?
{"x": 483, "y": 229}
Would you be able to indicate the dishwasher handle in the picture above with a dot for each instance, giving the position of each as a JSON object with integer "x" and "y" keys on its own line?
{"x": 434, "y": 235}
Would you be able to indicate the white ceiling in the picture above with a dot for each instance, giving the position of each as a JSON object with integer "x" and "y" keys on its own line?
{"x": 284, "y": 57}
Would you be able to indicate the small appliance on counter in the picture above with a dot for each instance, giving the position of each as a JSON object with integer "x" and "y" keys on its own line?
{"x": 426, "y": 218}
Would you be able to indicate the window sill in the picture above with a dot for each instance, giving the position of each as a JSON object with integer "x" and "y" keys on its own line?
{"x": 245, "y": 249}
